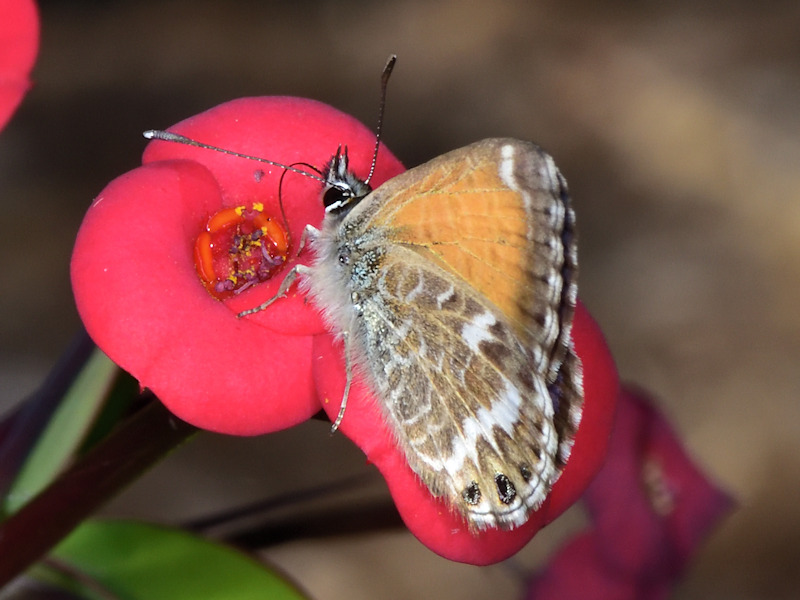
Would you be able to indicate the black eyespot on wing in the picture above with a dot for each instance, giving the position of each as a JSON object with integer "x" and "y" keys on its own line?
{"x": 472, "y": 494}
{"x": 505, "y": 489}
{"x": 525, "y": 471}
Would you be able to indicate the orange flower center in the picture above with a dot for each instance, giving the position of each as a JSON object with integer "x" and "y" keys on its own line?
{"x": 239, "y": 247}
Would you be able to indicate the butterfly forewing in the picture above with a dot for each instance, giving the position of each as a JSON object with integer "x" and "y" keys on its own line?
{"x": 493, "y": 214}
{"x": 454, "y": 283}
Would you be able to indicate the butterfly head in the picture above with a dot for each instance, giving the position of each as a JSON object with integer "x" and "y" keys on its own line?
{"x": 343, "y": 189}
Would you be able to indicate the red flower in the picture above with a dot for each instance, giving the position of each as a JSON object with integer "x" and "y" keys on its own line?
{"x": 651, "y": 503}
{"x": 19, "y": 42}
{"x": 138, "y": 292}
{"x": 650, "y": 507}
{"x": 579, "y": 572}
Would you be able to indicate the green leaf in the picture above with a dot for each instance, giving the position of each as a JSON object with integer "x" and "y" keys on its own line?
{"x": 136, "y": 561}
{"x": 65, "y": 432}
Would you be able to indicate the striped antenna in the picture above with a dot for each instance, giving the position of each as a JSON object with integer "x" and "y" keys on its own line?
{"x": 387, "y": 71}
{"x": 168, "y": 136}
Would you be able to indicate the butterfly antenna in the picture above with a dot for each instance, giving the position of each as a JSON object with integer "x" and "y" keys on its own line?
{"x": 168, "y": 136}
{"x": 387, "y": 71}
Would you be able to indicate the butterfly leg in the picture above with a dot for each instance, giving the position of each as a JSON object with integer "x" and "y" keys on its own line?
{"x": 348, "y": 369}
{"x": 287, "y": 282}
{"x": 308, "y": 233}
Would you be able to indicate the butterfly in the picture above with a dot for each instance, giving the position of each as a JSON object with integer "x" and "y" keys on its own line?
{"x": 453, "y": 286}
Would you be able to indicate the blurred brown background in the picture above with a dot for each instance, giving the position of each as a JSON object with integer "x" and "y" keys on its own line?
{"x": 676, "y": 124}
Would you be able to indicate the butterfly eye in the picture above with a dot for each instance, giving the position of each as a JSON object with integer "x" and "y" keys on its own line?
{"x": 335, "y": 197}
{"x": 344, "y": 255}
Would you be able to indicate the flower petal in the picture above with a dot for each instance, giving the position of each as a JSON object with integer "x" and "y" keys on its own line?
{"x": 134, "y": 277}
{"x": 650, "y": 507}
{"x": 579, "y": 570}
{"x": 141, "y": 301}
{"x": 19, "y": 43}
{"x": 650, "y": 504}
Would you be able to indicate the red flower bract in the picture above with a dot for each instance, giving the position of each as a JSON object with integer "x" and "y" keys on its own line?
{"x": 578, "y": 570}
{"x": 143, "y": 303}
{"x": 19, "y": 42}
{"x": 651, "y": 507}
{"x": 141, "y": 299}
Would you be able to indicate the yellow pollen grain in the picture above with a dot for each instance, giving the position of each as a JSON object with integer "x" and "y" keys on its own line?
{"x": 258, "y": 206}
{"x": 239, "y": 210}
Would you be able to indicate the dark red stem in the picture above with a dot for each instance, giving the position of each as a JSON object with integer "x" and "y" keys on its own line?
{"x": 95, "y": 478}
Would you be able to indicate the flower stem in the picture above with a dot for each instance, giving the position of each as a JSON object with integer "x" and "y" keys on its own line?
{"x": 95, "y": 478}
{"x": 24, "y": 425}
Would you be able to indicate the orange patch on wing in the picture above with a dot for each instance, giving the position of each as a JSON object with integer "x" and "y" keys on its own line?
{"x": 470, "y": 223}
